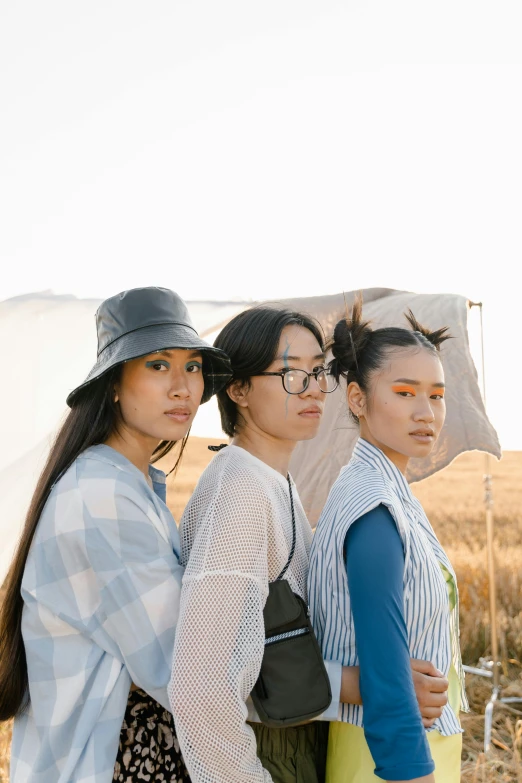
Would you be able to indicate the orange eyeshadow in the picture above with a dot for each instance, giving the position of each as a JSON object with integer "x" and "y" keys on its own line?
{"x": 439, "y": 391}
{"x": 409, "y": 389}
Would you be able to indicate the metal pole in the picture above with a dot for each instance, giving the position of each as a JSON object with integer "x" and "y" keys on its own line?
{"x": 488, "y": 500}
{"x": 492, "y": 585}
{"x": 491, "y": 572}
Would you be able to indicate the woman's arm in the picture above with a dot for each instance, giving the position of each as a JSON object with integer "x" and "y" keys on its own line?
{"x": 110, "y": 573}
{"x": 217, "y": 657}
{"x": 431, "y": 689}
{"x": 139, "y": 578}
{"x": 392, "y": 721}
{"x": 220, "y": 638}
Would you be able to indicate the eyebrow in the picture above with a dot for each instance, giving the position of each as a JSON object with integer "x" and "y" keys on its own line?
{"x": 168, "y": 354}
{"x": 298, "y": 358}
{"x": 439, "y": 385}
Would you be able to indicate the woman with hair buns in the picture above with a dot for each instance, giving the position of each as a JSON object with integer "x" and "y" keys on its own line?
{"x": 381, "y": 587}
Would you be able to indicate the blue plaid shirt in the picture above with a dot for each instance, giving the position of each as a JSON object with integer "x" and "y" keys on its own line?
{"x": 101, "y": 590}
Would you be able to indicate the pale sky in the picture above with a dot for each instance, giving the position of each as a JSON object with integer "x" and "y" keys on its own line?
{"x": 265, "y": 150}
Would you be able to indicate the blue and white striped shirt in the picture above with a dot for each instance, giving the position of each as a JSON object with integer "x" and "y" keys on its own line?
{"x": 101, "y": 592}
{"x": 371, "y": 479}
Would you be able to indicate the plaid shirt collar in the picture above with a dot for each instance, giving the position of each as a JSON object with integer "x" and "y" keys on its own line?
{"x": 104, "y": 453}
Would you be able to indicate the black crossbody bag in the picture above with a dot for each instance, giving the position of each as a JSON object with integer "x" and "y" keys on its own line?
{"x": 293, "y": 685}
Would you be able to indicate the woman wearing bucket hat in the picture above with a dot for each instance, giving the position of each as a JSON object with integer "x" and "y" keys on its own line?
{"x": 92, "y": 597}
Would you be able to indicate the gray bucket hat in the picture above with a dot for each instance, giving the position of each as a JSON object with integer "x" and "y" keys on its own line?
{"x": 144, "y": 320}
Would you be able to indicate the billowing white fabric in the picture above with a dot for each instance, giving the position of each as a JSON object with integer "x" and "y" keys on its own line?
{"x": 59, "y": 333}
{"x": 316, "y": 463}
{"x": 237, "y": 528}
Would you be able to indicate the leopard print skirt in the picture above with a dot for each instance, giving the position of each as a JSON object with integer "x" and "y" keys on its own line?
{"x": 148, "y": 749}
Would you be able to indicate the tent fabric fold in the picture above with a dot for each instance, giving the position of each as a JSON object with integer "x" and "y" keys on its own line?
{"x": 316, "y": 463}
{"x": 58, "y": 331}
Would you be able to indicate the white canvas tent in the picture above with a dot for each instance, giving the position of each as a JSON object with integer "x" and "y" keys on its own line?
{"x": 47, "y": 346}
{"x": 316, "y": 463}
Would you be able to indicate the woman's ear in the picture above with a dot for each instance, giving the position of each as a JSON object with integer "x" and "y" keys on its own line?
{"x": 356, "y": 399}
{"x": 238, "y": 393}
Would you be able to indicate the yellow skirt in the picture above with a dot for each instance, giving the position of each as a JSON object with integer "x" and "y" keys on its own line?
{"x": 349, "y": 759}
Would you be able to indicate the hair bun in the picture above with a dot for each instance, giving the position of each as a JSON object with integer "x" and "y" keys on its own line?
{"x": 436, "y": 338}
{"x": 349, "y": 338}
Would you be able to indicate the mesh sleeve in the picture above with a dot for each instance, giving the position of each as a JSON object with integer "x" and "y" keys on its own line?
{"x": 220, "y": 636}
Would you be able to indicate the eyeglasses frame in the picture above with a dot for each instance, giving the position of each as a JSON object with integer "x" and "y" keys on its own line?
{"x": 314, "y": 373}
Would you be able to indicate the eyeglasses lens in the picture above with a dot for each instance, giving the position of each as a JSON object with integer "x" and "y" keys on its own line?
{"x": 296, "y": 381}
{"x": 327, "y": 382}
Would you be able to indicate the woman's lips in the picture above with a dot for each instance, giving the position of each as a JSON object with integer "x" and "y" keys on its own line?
{"x": 423, "y": 436}
{"x": 180, "y": 415}
{"x": 311, "y": 413}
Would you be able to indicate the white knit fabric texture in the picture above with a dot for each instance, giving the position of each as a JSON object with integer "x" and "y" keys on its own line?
{"x": 236, "y": 535}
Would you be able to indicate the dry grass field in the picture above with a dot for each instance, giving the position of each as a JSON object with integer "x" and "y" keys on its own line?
{"x": 453, "y": 500}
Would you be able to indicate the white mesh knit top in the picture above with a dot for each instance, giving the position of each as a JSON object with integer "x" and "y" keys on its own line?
{"x": 236, "y": 535}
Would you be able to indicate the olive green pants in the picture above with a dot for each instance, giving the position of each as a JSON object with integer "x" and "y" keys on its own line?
{"x": 293, "y": 755}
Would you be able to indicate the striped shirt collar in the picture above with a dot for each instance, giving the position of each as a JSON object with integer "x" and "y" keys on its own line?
{"x": 377, "y": 459}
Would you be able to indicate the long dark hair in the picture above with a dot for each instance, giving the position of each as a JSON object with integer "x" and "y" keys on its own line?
{"x": 92, "y": 418}
{"x": 359, "y": 351}
{"x": 251, "y": 340}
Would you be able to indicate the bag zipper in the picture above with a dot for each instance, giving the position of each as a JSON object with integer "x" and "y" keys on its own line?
{"x": 287, "y": 635}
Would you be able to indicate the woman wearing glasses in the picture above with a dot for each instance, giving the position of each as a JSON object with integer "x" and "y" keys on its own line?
{"x": 236, "y": 534}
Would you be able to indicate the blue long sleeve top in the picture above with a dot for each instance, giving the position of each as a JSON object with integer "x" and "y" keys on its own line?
{"x": 392, "y": 721}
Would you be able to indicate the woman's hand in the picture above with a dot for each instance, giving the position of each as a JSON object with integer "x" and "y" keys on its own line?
{"x": 431, "y": 689}
{"x": 350, "y": 692}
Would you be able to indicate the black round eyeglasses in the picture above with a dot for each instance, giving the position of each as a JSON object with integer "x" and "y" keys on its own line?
{"x": 297, "y": 381}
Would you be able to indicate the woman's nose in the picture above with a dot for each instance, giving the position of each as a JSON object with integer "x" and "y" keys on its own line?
{"x": 424, "y": 411}
{"x": 313, "y": 388}
{"x": 179, "y": 386}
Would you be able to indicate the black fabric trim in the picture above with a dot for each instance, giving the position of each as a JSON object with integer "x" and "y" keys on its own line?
{"x": 150, "y": 326}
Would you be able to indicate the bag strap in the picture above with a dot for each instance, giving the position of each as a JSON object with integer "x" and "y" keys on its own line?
{"x": 292, "y": 550}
